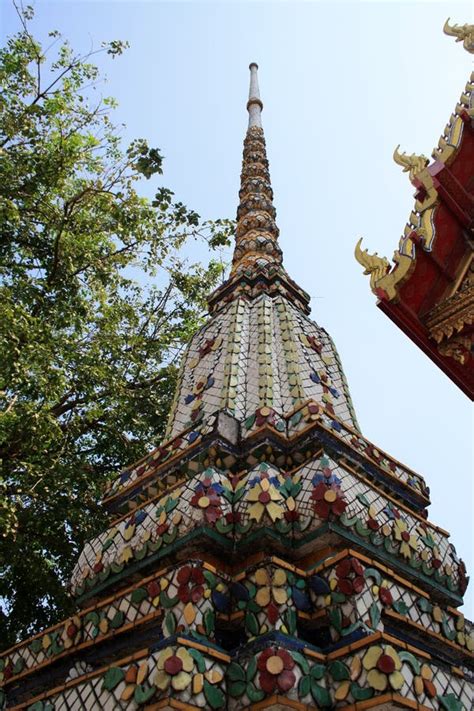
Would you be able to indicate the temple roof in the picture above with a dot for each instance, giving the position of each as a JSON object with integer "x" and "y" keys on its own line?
{"x": 428, "y": 291}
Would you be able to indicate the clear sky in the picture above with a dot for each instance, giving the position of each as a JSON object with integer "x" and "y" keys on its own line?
{"x": 342, "y": 85}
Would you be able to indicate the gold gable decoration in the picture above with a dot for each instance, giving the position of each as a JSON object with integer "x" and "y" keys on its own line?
{"x": 420, "y": 228}
{"x": 463, "y": 33}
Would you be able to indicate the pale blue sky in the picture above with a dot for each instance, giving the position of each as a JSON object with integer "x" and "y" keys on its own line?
{"x": 342, "y": 85}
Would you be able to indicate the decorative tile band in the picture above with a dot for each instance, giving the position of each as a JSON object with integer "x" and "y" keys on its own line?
{"x": 199, "y": 676}
{"x": 306, "y": 418}
{"x": 347, "y": 593}
{"x": 296, "y": 503}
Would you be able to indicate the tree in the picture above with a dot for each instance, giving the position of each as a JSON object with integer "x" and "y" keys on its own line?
{"x": 95, "y": 307}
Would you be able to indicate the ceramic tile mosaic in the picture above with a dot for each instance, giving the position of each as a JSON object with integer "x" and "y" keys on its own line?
{"x": 197, "y": 677}
{"x": 318, "y": 492}
{"x": 266, "y": 554}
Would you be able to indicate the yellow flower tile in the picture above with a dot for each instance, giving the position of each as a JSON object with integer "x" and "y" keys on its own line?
{"x": 279, "y": 595}
{"x": 189, "y": 613}
{"x": 186, "y": 658}
{"x": 262, "y": 597}
{"x": 342, "y": 690}
{"x": 396, "y": 680}
{"x": 214, "y": 676}
{"x": 371, "y": 657}
{"x": 419, "y": 686}
{"x": 104, "y": 626}
{"x": 355, "y": 668}
{"x": 128, "y": 692}
{"x": 279, "y": 577}
{"x": 181, "y": 681}
{"x": 426, "y": 672}
{"x": 262, "y": 577}
{"x": 377, "y": 680}
{"x": 274, "y": 510}
{"x": 198, "y": 683}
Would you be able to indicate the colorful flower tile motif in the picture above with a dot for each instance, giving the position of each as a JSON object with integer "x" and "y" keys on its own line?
{"x": 350, "y": 576}
{"x": 271, "y": 590}
{"x": 270, "y": 597}
{"x": 408, "y": 541}
{"x": 276, "y": 671}
{"x": 263, "y": 499}
{"x": 319, "y": 491}
{"x": 207, "y": 498}
{"x": 328, "y": 500}
{"x": 174, "y": 669}
{"x": 190, "y": 580}
{"x": 383, "y": 666}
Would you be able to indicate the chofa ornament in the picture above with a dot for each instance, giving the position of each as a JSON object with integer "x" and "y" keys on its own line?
{"x": 375, "y": 266}
{"x": 412, "y": 164}
{"x": 463, "y": 33}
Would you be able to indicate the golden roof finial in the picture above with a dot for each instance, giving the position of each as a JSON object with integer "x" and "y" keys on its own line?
{"x": 463, "y": 33}
{"x": 374, "y": 265}
{"x": 413, "y": 164}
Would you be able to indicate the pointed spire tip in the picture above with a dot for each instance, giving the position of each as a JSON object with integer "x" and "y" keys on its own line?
{"x": 254, "y": 104}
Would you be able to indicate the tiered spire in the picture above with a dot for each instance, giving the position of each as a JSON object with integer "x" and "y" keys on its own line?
{"x": 256, "y": 232}
{"x": 258, "y": 350}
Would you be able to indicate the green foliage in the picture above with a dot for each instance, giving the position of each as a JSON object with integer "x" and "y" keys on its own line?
{"x": 320, "y": 694}
{"x": 235, "y": 672}
{"x": 112, "y": 678}
{"x": 360, "y": 693}
{"x": 339, "y": 671}
{"x": 450, "y": 702}
{"x": 411, "y": 660}
{"x": 214, "y": 696}
{"x": 96, "y": 304}
{"x": 375, "y": 614}
{"x": 143, "y": 693}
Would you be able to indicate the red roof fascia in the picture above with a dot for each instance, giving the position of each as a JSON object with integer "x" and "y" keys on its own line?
{"x": 410, "y": 324}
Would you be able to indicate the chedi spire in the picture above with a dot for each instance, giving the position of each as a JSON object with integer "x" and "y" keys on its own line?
{"x": 256, "y": 233}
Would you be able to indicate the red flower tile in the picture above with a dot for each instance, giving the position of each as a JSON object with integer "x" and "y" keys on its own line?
{"x": 275, "y": 667}
{"x": 153, "y": 589}
{"x": 385, "y": 596}
{"x": 190, "y": 584}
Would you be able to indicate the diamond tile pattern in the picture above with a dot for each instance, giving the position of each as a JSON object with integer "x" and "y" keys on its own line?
{"x": 265, "y": 359}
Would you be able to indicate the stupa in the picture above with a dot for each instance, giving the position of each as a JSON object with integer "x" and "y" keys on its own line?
{"x": 266, "y": 555}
